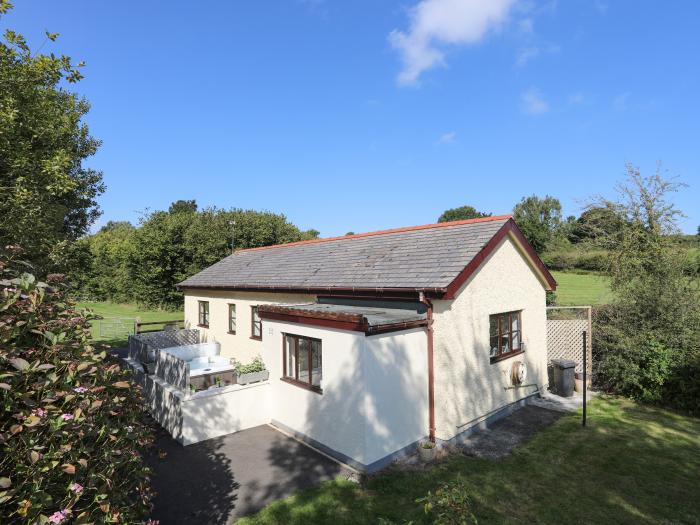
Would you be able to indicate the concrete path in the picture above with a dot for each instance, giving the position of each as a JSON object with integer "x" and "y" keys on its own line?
{"x": 562, "y": 404}
{"x": 216, "y": 481}
{"x": 504, "y": 435}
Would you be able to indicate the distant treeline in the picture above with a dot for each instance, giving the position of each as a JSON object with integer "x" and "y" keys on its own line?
{"x": 143, "y": 264}
{"x": 576, "y": 243}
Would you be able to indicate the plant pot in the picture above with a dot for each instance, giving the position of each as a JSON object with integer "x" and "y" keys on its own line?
{"x": 578, "y": 382}
{"x": 253, "y": 377}
{"x": 427, "y": 454}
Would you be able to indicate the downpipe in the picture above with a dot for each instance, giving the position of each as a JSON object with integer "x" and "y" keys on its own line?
{"x": 431, "y": 373}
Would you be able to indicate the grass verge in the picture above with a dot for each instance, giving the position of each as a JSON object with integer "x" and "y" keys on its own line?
{"x": 631, "y": 464}
{"x": 127, "y": 312}
{"x": 582, "y": 289}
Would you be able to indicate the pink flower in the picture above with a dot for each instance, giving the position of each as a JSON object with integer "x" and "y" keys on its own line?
{"x": 39, "y": 412}
{"x": 77, "y": 488}
{"x": 67, "y": 417}
{"x": 80, "y": 389}
{"x": 57, "y": 517}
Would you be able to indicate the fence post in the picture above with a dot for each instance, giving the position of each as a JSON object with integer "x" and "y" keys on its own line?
{"x": 137, "y": 326}
{"x": 585, "y": 379}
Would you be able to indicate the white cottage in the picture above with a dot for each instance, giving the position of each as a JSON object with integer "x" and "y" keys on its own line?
{"x": 379, "y": 340}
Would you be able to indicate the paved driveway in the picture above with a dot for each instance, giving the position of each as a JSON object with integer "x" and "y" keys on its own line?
{"x": 216, "y": 481}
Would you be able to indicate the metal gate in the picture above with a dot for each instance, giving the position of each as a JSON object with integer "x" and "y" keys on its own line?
{"x": 116, "y": 327}
{"x": 565, "y": 327}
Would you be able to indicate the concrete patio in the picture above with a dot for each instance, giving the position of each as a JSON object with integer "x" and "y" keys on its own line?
{"x": 219, "y": 480}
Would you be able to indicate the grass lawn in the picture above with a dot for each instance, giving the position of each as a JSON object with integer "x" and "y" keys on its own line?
{"x": 582, "y": 289}
{"x": 631, "y": 464}
{"x": 132, "y": 311}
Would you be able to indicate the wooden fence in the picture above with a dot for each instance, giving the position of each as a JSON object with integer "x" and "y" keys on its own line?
{"x": 157, "y": 326}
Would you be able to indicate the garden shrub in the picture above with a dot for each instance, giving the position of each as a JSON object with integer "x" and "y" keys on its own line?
{"x": 449, "y": 505}
{"x": 639, "y": 370}
{"x": 72, "y": 424}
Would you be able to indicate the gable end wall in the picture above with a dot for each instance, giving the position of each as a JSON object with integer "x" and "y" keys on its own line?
{"x": 467, "y": 386}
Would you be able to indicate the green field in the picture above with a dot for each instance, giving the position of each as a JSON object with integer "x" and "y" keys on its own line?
{"x": 582, "y": 289}
{"x": 632, "y": 464}
{"x": 127, "y": 312}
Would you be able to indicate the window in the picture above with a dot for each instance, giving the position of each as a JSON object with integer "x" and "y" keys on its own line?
{"x": 231, "y": 318}
{"x": 301, "y": 358}
{"x": 255, "y": 323}
{"x": 506, "y": 335}
{"x": 204, "y": 314}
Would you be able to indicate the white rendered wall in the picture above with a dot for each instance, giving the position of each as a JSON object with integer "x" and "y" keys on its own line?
{"x": 374, "y": 400}
{"x": 217, "y": 412}
{"x": 396, "y": 400}
{"x": 335, "y": 417}
{"x": 467, "y": 386}
{"x": 240, "y": 345}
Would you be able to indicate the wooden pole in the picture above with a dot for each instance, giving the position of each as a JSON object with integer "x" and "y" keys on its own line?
{"x": 585, "y": 375}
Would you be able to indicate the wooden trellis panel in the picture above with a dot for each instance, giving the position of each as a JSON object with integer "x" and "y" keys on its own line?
{"x": 565, "y": 341}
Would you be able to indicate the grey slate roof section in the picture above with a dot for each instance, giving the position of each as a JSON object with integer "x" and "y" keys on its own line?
{"x": 375, "y": 316}
{"x": 413, "y": 260}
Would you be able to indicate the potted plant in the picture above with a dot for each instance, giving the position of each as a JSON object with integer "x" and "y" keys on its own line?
{"x": 252, "y": 372}
{"x": 427, "y": 451}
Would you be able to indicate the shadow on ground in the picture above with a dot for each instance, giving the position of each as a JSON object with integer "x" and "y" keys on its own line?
{"x": 221, "y": 479}
{"x": 499, "y": 440}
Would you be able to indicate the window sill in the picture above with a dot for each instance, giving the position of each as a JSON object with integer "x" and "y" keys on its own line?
{"x": 254, "y": 338}
{"x": 231, "y": 333}
{"x": 305, "y": 386}
{"x": 506, "y": 356}
{"x": 203, "y": 325}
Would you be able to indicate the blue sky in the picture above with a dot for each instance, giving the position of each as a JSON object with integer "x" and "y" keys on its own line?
{"x": 364, "y": 115}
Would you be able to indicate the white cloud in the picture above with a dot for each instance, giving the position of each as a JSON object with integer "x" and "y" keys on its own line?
{"x": 526, "y": 26}
{"x": 435, "y": 23}
{"x": 447, "y": 138}
{"x": 533, "y": 103}
{"x": 527, "y": 54}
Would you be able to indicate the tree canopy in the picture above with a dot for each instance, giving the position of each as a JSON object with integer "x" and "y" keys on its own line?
{"x": 47, "y": 197}
{"x": 539, "y": 219}
{"x": 144, "y": 264}
{"x": 462, "y": 213}
{"x": 649, "y": 336}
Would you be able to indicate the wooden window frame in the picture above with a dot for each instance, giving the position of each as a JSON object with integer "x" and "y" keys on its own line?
{"x": 501, "y": 356}
{"x": 253, "y": 310}
{"x": 235, "y": 318}
{"x": 199, "y": 314}
{"x": 295, "y": 380}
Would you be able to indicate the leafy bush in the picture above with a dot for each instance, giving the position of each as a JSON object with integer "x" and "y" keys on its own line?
{"x": 71, "y": 422}
{"x": 256, "y": 365}
{"x": 639, "y": 369}
{"x": 576, "y": 259}
{"x": 683, "y": 387}
{"x": 449, "y": 505}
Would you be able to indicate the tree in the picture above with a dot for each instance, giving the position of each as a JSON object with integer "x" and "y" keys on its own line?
{"x": 650, "y": 335}
{"x": 103, "y": 274}
{"x": 169, "y": 247}
{"x": 462, "y": 213}
{"x": 47, "y": 196}
{"x": 186, "y": 206}
{"x": 595, "y": 222}
{"x": 539, "y": 219}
